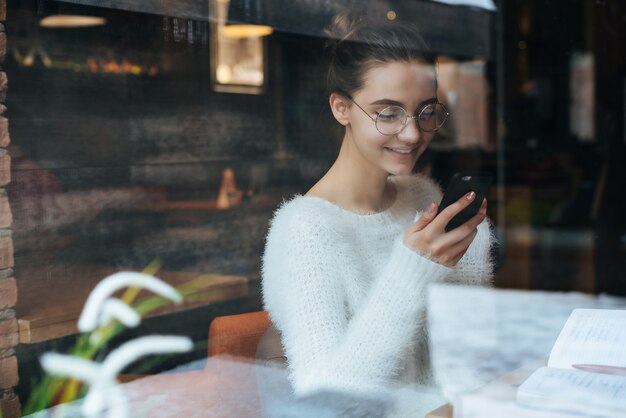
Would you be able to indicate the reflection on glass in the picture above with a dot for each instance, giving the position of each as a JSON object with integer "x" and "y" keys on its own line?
{"x": 464, "y": 89}
{"x": 582, "y": 96}
{"x": 238, "y": 53}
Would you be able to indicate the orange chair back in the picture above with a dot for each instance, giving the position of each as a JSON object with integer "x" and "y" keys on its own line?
{"x": 238, "y": 335}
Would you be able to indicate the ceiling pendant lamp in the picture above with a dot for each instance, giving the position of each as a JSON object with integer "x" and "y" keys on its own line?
{"x": 246, "y": 19}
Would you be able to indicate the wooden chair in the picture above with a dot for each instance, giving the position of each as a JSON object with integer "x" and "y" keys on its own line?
{"x": 249, "y": 335}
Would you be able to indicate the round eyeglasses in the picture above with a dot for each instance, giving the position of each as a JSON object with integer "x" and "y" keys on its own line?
{"x": 393, "y": 119}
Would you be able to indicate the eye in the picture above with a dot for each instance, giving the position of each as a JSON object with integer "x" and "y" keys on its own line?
{"x": 390, "y": 114}
{"x": 427, "y": 113}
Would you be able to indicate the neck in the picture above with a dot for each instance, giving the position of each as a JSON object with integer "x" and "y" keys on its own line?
{"x": 358, "y": 185}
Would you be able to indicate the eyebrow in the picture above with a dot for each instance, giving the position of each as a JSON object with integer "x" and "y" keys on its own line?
{"x": 397, "y": 103}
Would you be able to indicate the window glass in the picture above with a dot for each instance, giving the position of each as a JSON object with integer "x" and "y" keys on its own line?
{"x": 161, "y": 138}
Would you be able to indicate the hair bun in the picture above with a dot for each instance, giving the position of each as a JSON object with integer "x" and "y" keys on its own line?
{"x": 344, "y": 27}
{"x": 358, "y": 37}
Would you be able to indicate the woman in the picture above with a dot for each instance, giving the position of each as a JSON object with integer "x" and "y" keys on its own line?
{"x": 346, "y": 266}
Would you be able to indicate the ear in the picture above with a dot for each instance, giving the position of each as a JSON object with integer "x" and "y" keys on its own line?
{"x": 340, "y": 107}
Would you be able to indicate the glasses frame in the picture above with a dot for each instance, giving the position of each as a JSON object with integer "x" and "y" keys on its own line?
{"x": 406, "y": 116}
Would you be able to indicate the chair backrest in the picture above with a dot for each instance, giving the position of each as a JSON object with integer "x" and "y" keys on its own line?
{"x": 238, "y": 335}
{"x": 251, "y": 336}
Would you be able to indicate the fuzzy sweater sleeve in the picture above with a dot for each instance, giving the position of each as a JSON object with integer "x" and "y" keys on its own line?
{"x": 303, "y": 292}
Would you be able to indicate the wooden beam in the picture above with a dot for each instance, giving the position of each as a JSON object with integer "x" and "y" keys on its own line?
{"x": 187, "y": 9}
{"x": 448, "y": 29}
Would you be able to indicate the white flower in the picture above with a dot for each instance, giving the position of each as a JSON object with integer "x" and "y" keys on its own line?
{"x": 100, "y": 308}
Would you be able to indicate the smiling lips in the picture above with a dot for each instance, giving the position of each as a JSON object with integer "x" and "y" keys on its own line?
{"x": 402, "y": 151}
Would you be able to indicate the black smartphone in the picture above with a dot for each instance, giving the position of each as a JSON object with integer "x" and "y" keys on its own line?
{"x": 460, "y": 185}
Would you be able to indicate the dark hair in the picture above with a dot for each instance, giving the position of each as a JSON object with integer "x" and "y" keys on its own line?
{"x": 358, "y": 43}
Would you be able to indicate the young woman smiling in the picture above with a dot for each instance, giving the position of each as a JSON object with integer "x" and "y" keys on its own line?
{"x": 347, "y": 264}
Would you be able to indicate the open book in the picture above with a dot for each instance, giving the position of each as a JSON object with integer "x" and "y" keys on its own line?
{"x": 589, "y": 337}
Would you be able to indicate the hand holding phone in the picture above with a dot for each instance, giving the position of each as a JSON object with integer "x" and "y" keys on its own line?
{"x": 435, "y": 233}
{"x": 461, "y": 185}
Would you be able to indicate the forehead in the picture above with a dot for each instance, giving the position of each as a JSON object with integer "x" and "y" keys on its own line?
{"x": 406, "y": 82}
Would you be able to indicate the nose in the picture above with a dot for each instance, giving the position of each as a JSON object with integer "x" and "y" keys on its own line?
{"x": 411, "y": 132}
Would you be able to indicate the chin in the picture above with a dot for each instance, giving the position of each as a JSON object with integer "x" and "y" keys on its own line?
{"x": 400, "y": 171}
{"x": 402, "y": 165}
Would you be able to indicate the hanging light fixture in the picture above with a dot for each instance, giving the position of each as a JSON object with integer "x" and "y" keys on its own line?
{"x": 58, "y": 15}
{"x": 246, "y": 19}
{"x": 71, "y": 21}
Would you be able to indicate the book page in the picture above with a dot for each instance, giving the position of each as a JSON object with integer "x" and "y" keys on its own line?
{"x": 591, "y": 336}
{"x": 574, "y": 391}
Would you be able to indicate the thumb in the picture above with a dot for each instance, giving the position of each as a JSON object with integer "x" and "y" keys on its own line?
{"x": 426, "y": 217}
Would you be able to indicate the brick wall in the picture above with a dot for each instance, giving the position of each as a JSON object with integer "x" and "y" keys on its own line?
{"x": 9, "y": 403}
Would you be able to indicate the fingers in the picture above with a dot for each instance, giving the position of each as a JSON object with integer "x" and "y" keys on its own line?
{"x": 449, "y": 249}
{"x": 461, "y": 247}
{"x": 459, "y": 233}
{"x": 449, "y": 253}
{"x": 479, "y": 217}
{"x": 448, "y": 213}
{"x": 426, "y": 218}
{"x": 427, "y": 236}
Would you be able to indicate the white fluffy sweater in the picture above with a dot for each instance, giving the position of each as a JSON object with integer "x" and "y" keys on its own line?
{"x": 349, "y": 297}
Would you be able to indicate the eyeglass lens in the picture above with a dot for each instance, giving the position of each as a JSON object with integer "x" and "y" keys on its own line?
{"x": 393, "y": 119}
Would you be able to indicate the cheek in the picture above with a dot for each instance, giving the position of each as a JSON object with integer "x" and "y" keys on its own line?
{"x": 378, "y": 143}
{"x": 369, "y": 137}
{"x": 428, "y": 138}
